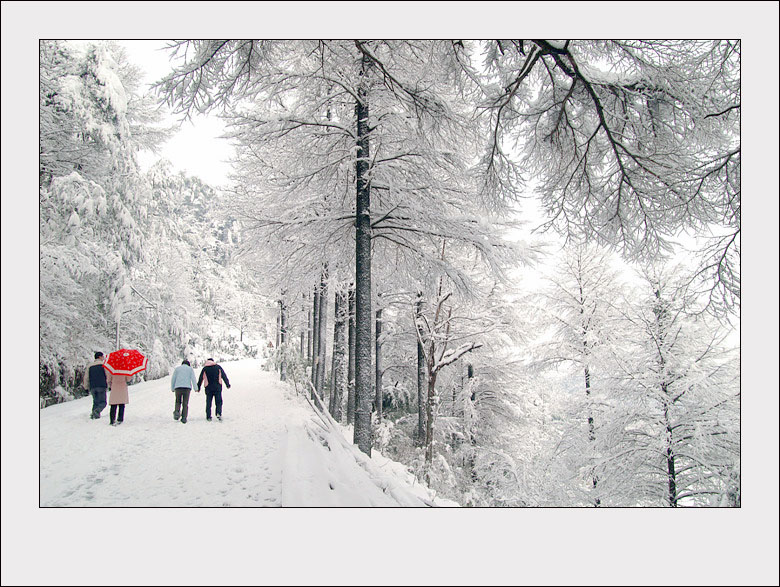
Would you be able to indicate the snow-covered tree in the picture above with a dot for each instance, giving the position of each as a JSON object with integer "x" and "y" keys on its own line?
{"x": 91, "y": 195}
{"x": 126, "y": 258}
{"x": 579, "y": 330}
{"x": 675, "y": 432}
{"x": 631, "y": 142}
{"x": 335, "y": 119}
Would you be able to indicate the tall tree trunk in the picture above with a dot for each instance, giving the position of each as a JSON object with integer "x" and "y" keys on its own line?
{"x": 378, "y": 364}
{"x": 585, "y": 352}
{"x": 323, "y": 332}
{"x": 671, "y": 473}
{"x": 363, "y": 315}
{"x": 283, "y": 340}
{"x": 278, "y": 331}
{"x": 315, "y": 339}
{"x": 331, "y": 384}
{"x": 661, "y": 316}
{"x": 309, "y": 337}
{"x": 591, "y": 435}
{"x": 351, "y": 362}
{"x": 339, "y": 355}
{"x": 454, "y": 406}
{"x": 591, "y": 427}
{"x": 421, "y": 395}
{"x": 431, "y": 400}
{"x": 472, "y": 437}
{"x": 303, "y": 333}
{"x": 429, "y": 422}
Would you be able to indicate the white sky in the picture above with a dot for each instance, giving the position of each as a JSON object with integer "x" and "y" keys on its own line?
{"x": 747, "y": 545}
{"x": 197, "y": 147}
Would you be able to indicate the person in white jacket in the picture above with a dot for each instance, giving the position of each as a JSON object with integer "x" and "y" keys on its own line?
{"x": 182, "y": 382}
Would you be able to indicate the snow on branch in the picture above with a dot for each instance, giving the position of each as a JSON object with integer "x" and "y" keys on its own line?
{"x": 454, "y": 354}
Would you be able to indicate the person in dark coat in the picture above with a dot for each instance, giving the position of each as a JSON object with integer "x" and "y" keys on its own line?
{"x": 212, "y": 376}
{"x": 96, "y": 382}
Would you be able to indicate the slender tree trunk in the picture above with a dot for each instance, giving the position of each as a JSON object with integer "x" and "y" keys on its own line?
{"x": 332, "y": 382}
{"x": 458, "y": 392}
{"x": 323, "y": 332}
{"x": 661, "y": 315}
{"x": 309, "y": 336}
{"x": 671, "y": 474}
{"x": 283, "y": 324}
{"x": 351, "y": 362}
{"x": 431, "y": 403}
{"x": 421, "y": 403}
{"x": 363, "y": 315}
{"x": 378, "y": 364}
{"x": 591, "y": 427}
{"x": 278, "y": 331}
{"x": 282, "y": 341}
{"x": 585, "y": 351}
{"x": 303, "y": 333}
{"x": 454, "y": 406}
{"x": 429, "y": 422}
{"x": 471, "y": 436}
{"x": 315, "y": 339}
{"x": 339, "y": 355}
{"x": 591, "y": 434}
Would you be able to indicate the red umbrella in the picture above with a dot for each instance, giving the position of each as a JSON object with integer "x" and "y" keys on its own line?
{"x": 125, "y": 362}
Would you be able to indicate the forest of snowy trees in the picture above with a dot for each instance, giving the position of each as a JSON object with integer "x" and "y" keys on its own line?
{"x": 126, "y": 257}
{"x": 374, "y": 234}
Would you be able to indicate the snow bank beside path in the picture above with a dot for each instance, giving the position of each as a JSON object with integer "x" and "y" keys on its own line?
{"x": 381, "y": 482}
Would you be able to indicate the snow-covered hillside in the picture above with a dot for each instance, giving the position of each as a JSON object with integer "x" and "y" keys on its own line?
{"x": 271, "y": 449}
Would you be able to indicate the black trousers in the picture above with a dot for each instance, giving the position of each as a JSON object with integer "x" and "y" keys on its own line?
{"x": 121, "y": 413}
{"x": 217, "y": 396}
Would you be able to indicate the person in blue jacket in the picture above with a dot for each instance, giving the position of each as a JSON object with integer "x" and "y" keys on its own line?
{"x": 213, "y": 375}
{"x": 182, "y": 382}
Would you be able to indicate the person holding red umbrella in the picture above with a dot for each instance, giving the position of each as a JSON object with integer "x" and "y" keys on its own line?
{"x": 117, "y": 398}
{"x": 121, "y": 365}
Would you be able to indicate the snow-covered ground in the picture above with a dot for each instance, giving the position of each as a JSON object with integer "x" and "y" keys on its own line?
{"x": 271, "y": 449}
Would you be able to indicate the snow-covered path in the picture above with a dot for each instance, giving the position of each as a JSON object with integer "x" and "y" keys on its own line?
{"x": 270, "y": 450}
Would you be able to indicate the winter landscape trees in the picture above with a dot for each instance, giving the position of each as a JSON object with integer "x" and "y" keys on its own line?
{"x": 373, "y": 224}
{"x": 632, "y": 142}
{"x": 125, "y": 256}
